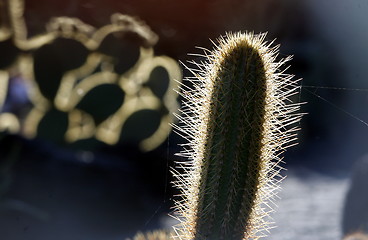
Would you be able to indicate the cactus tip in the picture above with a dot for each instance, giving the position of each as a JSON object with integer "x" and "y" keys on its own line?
{"x": 238, "y": 116}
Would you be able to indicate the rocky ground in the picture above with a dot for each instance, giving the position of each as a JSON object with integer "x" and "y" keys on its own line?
{"x": 310, "y": 207}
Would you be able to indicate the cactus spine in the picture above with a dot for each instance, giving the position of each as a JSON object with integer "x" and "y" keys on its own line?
{"x": 155, "y": 235}
{"x": 238, "y": 118}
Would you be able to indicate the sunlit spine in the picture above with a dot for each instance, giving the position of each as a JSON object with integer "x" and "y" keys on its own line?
{"x": 155, "y": 235}
{"x": 238, "y": 117}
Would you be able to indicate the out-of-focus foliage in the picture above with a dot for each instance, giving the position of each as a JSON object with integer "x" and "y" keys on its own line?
{"x": 82, "y": 83}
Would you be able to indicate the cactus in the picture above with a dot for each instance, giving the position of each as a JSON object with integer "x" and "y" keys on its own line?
{"x": 155, "y": 235}
{"x": 238, "y": 118}
{"x": 356, "y": 236}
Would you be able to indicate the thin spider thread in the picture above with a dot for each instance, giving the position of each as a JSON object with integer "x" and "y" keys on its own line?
{"x": 334, "y": 105}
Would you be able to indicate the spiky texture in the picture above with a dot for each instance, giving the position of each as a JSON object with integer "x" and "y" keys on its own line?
{"x": 155, "y": 235}
{"x": 356, "y": 236}
{"x": 238, "y": 118}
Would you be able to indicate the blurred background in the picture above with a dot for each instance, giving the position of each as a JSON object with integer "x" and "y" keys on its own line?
{"x": 89, "y": 188}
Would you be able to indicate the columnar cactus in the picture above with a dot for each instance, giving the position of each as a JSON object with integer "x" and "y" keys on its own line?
{"x": 155, "y": 235}
{"x": 238, "y": 117}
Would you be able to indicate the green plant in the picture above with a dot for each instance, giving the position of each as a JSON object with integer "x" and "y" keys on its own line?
{"x": 238, "y": 118}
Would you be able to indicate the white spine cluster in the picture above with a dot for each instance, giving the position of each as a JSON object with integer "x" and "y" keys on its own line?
{"x": 277, "y": 128}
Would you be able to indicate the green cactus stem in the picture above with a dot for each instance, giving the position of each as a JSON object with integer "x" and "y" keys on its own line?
{"x": 238, "y": 117}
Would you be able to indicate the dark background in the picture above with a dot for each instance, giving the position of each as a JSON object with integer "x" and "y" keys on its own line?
{"x": 53, "y": 192}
